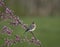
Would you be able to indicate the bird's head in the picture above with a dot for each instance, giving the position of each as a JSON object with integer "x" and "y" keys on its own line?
{"x": 33, "y": 23}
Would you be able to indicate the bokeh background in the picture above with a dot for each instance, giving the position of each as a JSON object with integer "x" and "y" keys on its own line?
{"x": 46, "y": 15}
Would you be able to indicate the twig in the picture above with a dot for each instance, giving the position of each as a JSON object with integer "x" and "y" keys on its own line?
{"x": 33, "y": 35}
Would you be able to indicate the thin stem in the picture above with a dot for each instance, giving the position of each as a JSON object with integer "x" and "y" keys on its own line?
{"x": 33, "y": 35}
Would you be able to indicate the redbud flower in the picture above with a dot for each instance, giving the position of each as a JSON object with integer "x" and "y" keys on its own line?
{"x": 6, "y": 30}
{"x": 32, "y": 40}
{"x": 17, "y": 38}
{"x": 9, "y": 32}
{"x": 1, "y": 3}
{"x": 37, "y": 42}
{"x": 24, "y": 26}
{"x": 7, "y": 42}
{"x": 16, "y": 21}
{"x": 8, "y": 11}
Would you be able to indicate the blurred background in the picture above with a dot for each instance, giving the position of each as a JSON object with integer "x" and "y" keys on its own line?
{"x": 46, "y": 15}
{"x": 36, "y": 7}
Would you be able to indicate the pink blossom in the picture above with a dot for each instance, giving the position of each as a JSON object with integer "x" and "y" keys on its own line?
{"x": 8, "y": 11}
{"x": 32, "y": 40}
{"x": 1, "y": 3}
{"x": 24, "y": 26}
{"x": 15, "y": 21}
{"x": 7, "y": 42}
{"x": 37, "y": 42}
{"x": 9, "y": 32}
{"x": 17, "y": 38}
{"x": 6, "y": 30}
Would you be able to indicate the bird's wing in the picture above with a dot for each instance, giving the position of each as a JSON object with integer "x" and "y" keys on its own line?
{"x": 29, "y": 28}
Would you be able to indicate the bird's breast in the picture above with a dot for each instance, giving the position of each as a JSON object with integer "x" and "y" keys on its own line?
{"x": 33, "y": 29}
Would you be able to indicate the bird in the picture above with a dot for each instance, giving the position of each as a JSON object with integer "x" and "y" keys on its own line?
{"x": 31, "y": 28}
